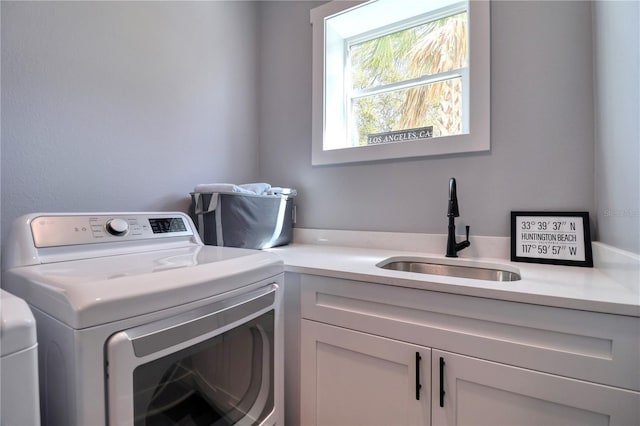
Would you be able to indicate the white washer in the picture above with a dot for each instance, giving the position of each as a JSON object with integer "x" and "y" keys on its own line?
{"x": 140, "y": 323}
{"x": 19, "y": 363}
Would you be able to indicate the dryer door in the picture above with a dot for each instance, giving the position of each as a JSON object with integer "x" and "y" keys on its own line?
{"x": 210, "y": 366}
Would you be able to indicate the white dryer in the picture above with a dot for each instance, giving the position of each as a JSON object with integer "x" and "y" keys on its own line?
{"x": 18, "y": 363}
{"x": 139, "y": 323}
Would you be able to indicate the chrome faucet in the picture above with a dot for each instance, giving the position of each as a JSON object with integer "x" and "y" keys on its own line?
{"x": 452, "y": 212}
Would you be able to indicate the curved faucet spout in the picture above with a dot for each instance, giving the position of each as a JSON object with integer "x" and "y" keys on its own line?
{"x": 453, "y": 211}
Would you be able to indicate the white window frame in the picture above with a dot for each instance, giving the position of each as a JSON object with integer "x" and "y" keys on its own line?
{"x": 329, "y": 110}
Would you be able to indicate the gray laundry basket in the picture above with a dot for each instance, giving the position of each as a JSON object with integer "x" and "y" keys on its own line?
{"x": 243, "y": 220}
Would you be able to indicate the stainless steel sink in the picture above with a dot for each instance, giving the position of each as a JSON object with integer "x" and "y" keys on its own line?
{"x": 460, "y": 271}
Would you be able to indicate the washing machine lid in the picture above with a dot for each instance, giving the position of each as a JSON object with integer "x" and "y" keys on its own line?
{"x": 17, "y": 325}
{"x": 89, "y": 292}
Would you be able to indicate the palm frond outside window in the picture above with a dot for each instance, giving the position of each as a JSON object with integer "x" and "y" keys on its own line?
{"x": 411, "y": 78}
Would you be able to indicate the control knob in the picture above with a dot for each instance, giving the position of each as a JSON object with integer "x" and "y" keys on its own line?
{"x": 117, "y": 227}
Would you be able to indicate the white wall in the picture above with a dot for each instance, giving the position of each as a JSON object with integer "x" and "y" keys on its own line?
{"x": 542, "y": 130}
{"x": 124, "y": 105}
{"x": 617, "y": 99}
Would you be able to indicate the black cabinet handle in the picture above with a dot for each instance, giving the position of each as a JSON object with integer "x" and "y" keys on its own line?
{"x": 442, "y": 392}
{"x": 418, "y": 385}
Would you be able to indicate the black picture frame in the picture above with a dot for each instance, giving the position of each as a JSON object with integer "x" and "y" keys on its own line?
{"x": 557, "y": 238}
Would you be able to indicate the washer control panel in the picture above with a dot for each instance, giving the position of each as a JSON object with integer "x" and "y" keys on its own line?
{"x": 75, "y": 229}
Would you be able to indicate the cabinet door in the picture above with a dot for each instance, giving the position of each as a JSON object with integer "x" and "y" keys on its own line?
{"x": 352, "y": 378}
{"x": 478, "y": 392}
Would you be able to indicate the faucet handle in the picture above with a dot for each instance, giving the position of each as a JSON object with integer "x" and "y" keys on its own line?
{"x": 468, "y": 232}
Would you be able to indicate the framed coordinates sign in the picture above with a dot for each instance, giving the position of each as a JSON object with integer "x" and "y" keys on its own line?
{"x": 560, "y": 238}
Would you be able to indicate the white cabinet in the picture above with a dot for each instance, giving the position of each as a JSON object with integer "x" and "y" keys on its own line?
{"x": 503, "y": 363}
{"x": 352, "y": 378}
{"x": 478, "y": 392}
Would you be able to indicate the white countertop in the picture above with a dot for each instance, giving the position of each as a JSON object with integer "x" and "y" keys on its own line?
{"x": 610, "y": 287}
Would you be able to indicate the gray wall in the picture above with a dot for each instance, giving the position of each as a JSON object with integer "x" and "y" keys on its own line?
{"x": 125, "y": 105}
{"x": 128, "y": 105}
{"x": 542, "y": 130}
{"x": 617, "y": 98}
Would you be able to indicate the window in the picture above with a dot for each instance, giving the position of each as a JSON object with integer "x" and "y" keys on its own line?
{"x": 399, "y": 78}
